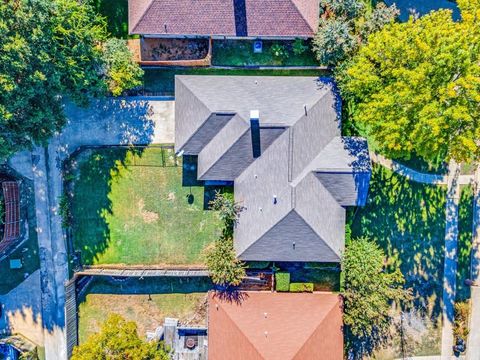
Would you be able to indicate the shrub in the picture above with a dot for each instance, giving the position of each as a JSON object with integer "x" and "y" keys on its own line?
{"x": 301, "y": 287}
{"x": 299, "y": 47}
{"x": 279, "y": 51}
{"x": 460, "y": 325}
{"x": 64, "y": 207}
{"x": 282, "y": 281}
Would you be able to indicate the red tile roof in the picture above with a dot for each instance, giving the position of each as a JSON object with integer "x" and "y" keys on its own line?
{"x": 288, "y": 18}
{"x": 272, "y": 326}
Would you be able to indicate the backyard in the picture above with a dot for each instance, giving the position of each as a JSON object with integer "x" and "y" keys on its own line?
{"x": 147, "y": 302}
{"x": 407, "y": 220}
{"x": 135, "y": 206}
{"x": 274, "y": 53}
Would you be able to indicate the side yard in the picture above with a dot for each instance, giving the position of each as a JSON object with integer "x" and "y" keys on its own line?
{"x": 135, "y": 206}
{"x": 162, "y": 81}
{"x": 407, "y": 220}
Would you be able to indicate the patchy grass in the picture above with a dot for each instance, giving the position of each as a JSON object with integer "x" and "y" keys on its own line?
{"x": 116, "y": 14}
{"x": 465, "y": 228}
{"x": 240, "y": 53}
{"x": 129, "y": 209}
{"x": 407, "y": 220}
{"x": 162, "y": 81}
{"x": 147, "y": 302}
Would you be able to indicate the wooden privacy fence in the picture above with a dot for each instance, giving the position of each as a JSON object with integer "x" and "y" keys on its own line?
{"x": 11, "y": 195}
{"x": 71, "y": 316}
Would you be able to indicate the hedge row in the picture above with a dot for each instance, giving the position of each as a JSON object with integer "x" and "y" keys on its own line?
{"x": 282, "y": 281}
{"x": 301, "y": 287}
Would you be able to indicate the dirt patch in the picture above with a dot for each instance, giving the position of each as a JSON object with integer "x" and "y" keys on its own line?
{"x": 171, "y": 197}
{"x": 148, "y": 217}
{"x": 147, "y": 311}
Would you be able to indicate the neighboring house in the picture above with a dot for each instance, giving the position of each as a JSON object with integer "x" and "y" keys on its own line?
{"x": 277, "y": 139}
{"x": 268, "y": 19}
{"x": 272, "y": 326}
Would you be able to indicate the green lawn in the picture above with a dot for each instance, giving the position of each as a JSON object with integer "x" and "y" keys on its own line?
{"x": 407, "y": 220}
{"x": 162, "y": 81}
{"x": 465, "y": 227}
{"x": 240, "y": 53}
{"x": 116, "y": 14}
{"x": 129, "y": 209}
{"x": 147, "y": 302}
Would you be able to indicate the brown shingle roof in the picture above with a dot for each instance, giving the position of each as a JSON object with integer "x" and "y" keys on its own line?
{"x": 272, "y": 326}
{"x": 224, "y": 17}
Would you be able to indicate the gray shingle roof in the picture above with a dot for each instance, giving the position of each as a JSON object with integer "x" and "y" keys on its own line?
{"x": 295, "y": 191}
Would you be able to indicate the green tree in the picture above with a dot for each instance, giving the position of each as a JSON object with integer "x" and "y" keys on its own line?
{"x": 345, "y": 26}
{"x": 415, "y": 87}
{"x": 369, "y": 291}
{"x": 224, "y": 267}
{"x": 122, "y": 72}
{"x": 118, "y": 339}
{"x": 49, "y": 48}
{"x": 228, "y": 211}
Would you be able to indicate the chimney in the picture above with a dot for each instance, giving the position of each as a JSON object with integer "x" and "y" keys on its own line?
{"x": 255, "y": 131}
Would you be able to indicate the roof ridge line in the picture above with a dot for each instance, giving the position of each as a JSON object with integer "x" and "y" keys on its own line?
{"x": 213, "y": 164}
{"x": 310, "y": 226}
{"x": 241, "y": 332}
{"x": 203, "y": 104}
{"x": 302, "y": 16}
{"x": 143, "y": 15}
{"x": 314, "y": 330}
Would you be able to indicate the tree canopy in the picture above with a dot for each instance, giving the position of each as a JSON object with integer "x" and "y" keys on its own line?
{"x": 225, "y": 269}
{"x": 345, "y": 25}
{"x": 118, "y": 339}
{"x": 369, "y": 290}
{"x": 415, "y": 86}
{"x": 122, "y": 71}
{"x": 50, "y": 49}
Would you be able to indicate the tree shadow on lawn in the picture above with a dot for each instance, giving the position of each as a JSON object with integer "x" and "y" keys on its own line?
{"x": 465, "y": 228}
{"x": 129, "y": 206}
{"x": 407, "y": 220}
{"x": 89, "y": 178}
{"x": 148, "y": 285}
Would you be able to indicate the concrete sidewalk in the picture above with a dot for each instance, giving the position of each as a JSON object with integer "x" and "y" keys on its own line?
{"x": 473, "y": 342}
{"x": 450, "y": 263}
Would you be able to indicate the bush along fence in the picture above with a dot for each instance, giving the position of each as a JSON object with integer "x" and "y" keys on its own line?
{"x": 283, "y": 284}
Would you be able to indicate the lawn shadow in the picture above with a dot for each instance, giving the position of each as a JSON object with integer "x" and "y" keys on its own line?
{"x": 147, "y": 285}
{"x": 465, "y": 228}
{"x": 88, "y": 178}
{"x": 407, "y": 220}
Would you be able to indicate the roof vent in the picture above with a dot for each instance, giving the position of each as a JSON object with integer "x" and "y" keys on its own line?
{"x": 274, "y": 199}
